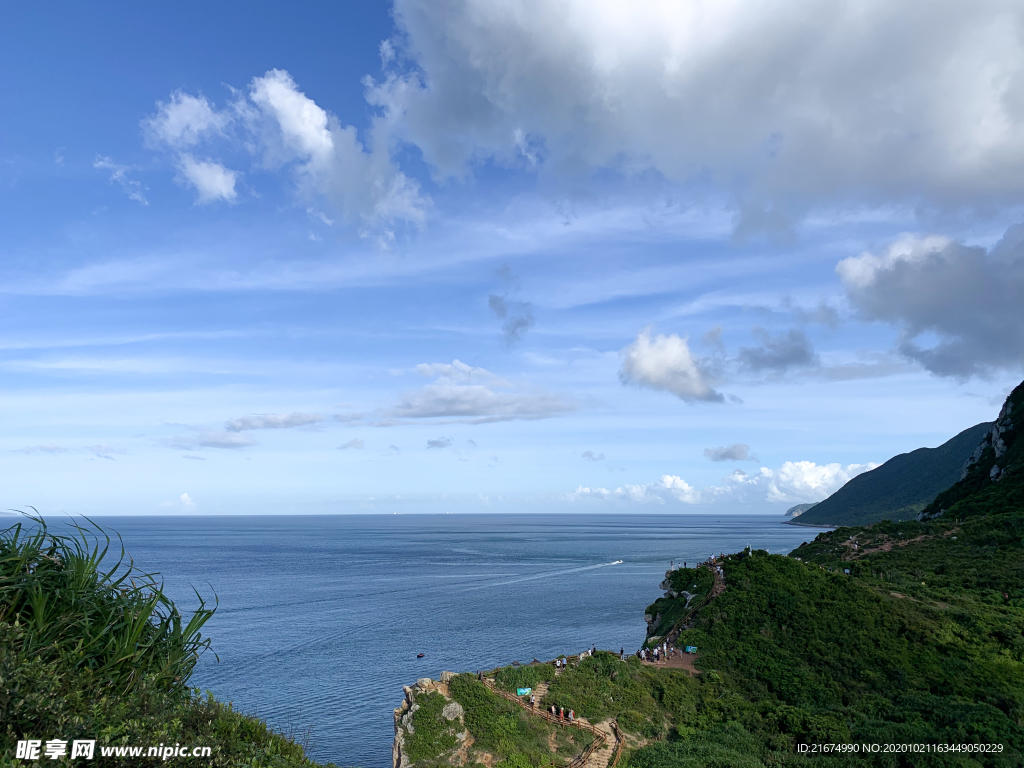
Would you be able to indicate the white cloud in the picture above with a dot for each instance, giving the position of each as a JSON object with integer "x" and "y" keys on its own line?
{"x": 183, "y": 501}
{"x": 665, "y": 363}
{"x": 211, "y": 180}
{"x": 455, "y": 396}
{"x": 273, "y": 421}
{"x": 288, "y": 130}
{"x": 591, "y": 456}
{"x": 782, "y": 105}
{"x": 965, "y": 297}
{"x": 364, "y": 184}
{"x": 183, "y": 121}
{"x": 355, "y": 443}
{"x": 119, "y": 176}
{"x": 457, "y": 372}
{"x": 794, "y": 481}
{"x": 479, "y": 404}
{"x": 440, "y": 442}
{"x": 668, "y": 488}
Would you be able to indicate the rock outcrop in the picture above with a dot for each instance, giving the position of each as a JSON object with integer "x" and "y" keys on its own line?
{"x": 799, "y": 509}
{"x": 406, "y": 713}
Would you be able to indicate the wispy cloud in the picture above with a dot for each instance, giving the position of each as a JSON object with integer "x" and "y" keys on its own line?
{"x": 208, "y": 439}
{"x": 475, "y": 396}
{"x": 273, "y": 421}
{"x": 119, "y": 176}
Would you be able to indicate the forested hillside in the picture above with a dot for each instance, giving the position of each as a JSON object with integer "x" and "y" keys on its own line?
{"x": 901, "y": 487}
{"x": 895, "y": 633}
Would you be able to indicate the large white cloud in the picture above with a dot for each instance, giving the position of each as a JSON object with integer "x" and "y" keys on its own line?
{"x": 288, "y": 130}
{"x": 794, "y": 481}
{"x": 666, "y": 363}
{"x": 782, "y": 104}
{"x": 668, "y": 488}
{"x": 966, "y": 298}
{"x": 363, "y": 182}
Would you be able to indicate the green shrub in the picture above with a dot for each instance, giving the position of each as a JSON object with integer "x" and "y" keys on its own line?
{"x": 92, "y": 649}
{"x": 506, "y": 730}
{"x": 432, "y": 734}
{"x": 511, "y": 678}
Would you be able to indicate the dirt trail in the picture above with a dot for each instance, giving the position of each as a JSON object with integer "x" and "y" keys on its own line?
{"x": 602, "y": 753}
{"x": 677, "y": 661}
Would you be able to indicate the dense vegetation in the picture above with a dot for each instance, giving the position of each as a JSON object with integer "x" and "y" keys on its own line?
{"x": 901, "y": 487}
{"x": 433, "y": 733}
{"x": 921, "y": 642}
{"x": 92, "y": 649}
{"x": 511, "y": 678}
{"x": 508, "y": 732}
{"x": 685, "y": 589}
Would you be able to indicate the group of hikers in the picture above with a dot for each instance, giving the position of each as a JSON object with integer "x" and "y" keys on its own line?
{"x": 559, "y": 713}
{"x": 661, "y": 652}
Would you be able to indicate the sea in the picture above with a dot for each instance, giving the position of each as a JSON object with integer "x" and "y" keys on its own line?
{"x": 320, "y": 619}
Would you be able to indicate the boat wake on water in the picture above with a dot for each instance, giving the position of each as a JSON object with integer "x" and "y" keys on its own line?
{"x": 546, "y": 575}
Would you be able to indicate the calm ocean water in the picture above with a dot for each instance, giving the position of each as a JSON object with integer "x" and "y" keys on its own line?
{"x": 321, "y": 618}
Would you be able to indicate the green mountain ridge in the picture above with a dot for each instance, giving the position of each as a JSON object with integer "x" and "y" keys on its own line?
{"x": 902, "y": 487}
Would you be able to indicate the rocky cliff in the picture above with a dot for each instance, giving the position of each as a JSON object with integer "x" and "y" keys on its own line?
{"x": 405, "y": 717}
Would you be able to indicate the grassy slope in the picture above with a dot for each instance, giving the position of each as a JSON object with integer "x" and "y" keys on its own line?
{"x": 506, "y": 731}
{"x": 91, "y": 649}
{"x": 901, "y": 487}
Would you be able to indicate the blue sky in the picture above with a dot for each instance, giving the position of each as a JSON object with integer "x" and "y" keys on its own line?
{"x": 510, "y": 256}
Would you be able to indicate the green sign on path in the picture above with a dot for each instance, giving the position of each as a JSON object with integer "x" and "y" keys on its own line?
{"x": 523, "y": 691}
{"x": 691, "y": 649}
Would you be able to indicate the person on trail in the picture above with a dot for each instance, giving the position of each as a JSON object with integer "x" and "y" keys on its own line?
{"x": 572, "y": 716}
{"x": 533, "y": 701}
{"x": 622, "y": 651}
{"x": 561, "y": 713}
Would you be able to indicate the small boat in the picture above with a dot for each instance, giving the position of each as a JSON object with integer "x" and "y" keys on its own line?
{"x": 617, "y": 562}
{"x": 420, "y": 655}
